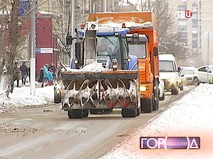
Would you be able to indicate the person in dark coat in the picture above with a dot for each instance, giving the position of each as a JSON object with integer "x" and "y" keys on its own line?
{"x": 24, "y": 72}
{"x": 16, "y": 76}
{"x": 41, "y": 75}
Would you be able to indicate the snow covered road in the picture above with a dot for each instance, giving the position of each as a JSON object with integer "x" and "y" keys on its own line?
{"x": 46, "y": 132}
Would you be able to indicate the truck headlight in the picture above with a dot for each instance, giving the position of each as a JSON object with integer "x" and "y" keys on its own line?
{"x": 142, "y": 88}
{"x": 58, "y": 88}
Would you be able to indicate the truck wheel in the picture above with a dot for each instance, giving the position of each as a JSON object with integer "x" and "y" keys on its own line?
{"x": 128, "y": 113}
{"x": 85, "y": 113}
{"x": 156, "y": 104}
{"x": 156, "y": 99}
{"x": 147, "y": 105}
{"x": 75, "y": 114}
{"x": 93, "y": 111}
{"x": 107, "y": 111}
{"x": 174, "y": 91}
{"x": 196, "y": 81}
{"x": 138, "y": 111}
{"x": 163, "y": 97}
{"x": 181, "y": 87}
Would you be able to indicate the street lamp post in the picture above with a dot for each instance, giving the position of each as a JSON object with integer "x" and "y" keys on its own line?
{"x": 33, "y": 49}
{"x": 105, "y": 6}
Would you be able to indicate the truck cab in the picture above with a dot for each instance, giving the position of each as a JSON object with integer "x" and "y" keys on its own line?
{"x": 106, "y": 46}
{"x": 111, "y": 47}
{"x": 137, "y": 45}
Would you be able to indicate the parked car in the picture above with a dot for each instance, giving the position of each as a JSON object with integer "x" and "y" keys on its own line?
{"x": 169, "y": 73}
{"x": 203, "y": 74}
{"x": 187, "y": 73}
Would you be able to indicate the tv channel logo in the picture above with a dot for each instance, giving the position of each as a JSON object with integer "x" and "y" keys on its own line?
{"x": 170, "y": 142}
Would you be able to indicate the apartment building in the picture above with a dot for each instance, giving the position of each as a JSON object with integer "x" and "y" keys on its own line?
{"x": 195, "y": 32}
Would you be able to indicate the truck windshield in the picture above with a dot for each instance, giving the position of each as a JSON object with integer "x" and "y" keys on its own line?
{"x": 107, "y": 45}
{"x": 138, "y": 50}
{"x": 167, "y": 66}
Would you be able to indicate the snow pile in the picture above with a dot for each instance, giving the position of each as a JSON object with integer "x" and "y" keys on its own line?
{"x": 147, "y": 24}
{"x": 190, "y": 116}
{"x": 93, "y": 67}
{"x": 21, "y": 97}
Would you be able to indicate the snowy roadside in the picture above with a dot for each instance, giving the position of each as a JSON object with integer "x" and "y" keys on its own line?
{"x": 191, "y": 116}
{"x": 21, "y": 97}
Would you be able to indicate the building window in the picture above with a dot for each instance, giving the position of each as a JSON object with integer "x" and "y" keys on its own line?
{"x": 182, "y": 7}
{"x": 194, "y": 23}
{"x": 182, "y": 21}
{"x": 183, "y": 35}
{"x": 194, "y": 7}
{"x": 182, "y": 28}
{"x": 195, "y": 15}
{"x": 194, "y": 44}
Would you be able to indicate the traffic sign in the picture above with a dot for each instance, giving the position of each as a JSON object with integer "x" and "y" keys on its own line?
{"x": 24, "y": 6}
{"x": 188, "y": 13}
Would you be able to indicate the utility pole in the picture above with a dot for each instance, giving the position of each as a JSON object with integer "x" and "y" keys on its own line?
{"x": 33, "y": 49}
{"x": 105, "y": 5}
{"x": 208, "y": 39}
{"x": 72, "y": 25}
{"x": 149, "y": 5}
{"x": 90, "y": 6}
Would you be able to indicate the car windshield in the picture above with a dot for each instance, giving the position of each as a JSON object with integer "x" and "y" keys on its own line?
{"x": 138, "y": 50}
{"x": 211, "y": 68}
{"x": 166, "y": 66}
{"x": 107, "y": 45}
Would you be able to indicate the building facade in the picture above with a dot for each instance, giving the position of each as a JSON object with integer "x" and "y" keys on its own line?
{"x": 195, "y": 32}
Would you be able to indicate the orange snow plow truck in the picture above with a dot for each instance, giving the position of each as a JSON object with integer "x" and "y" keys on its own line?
{"x": 130, "y": 78}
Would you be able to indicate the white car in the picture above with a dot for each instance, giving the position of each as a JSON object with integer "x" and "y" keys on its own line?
{"x": 187, "y": 73}
{"x": 203, "y": 74}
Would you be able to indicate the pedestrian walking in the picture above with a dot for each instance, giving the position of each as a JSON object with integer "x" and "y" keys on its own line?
{"x": 52, "y": 68}
{"x": 16, "y": 76}
{"x": 24, "y": 73}
{"x": 50, "y": 77}
{"x": 58, "y": 70}
{"x": 41, "y": 77}
{"x": 45, "y": 76}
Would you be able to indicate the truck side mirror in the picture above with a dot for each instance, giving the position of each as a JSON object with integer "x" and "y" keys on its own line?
{"x": 69, "y": 40}
{"x": 155, "y": 51}
{"x": 179, "y": 69}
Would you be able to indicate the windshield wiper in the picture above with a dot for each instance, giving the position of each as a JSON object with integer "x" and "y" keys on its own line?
{"x": 109, "y": 40}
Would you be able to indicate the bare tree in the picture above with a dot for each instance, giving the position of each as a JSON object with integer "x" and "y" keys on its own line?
{"x": 12, "y": 40}
{"x": 168, "y": 36}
